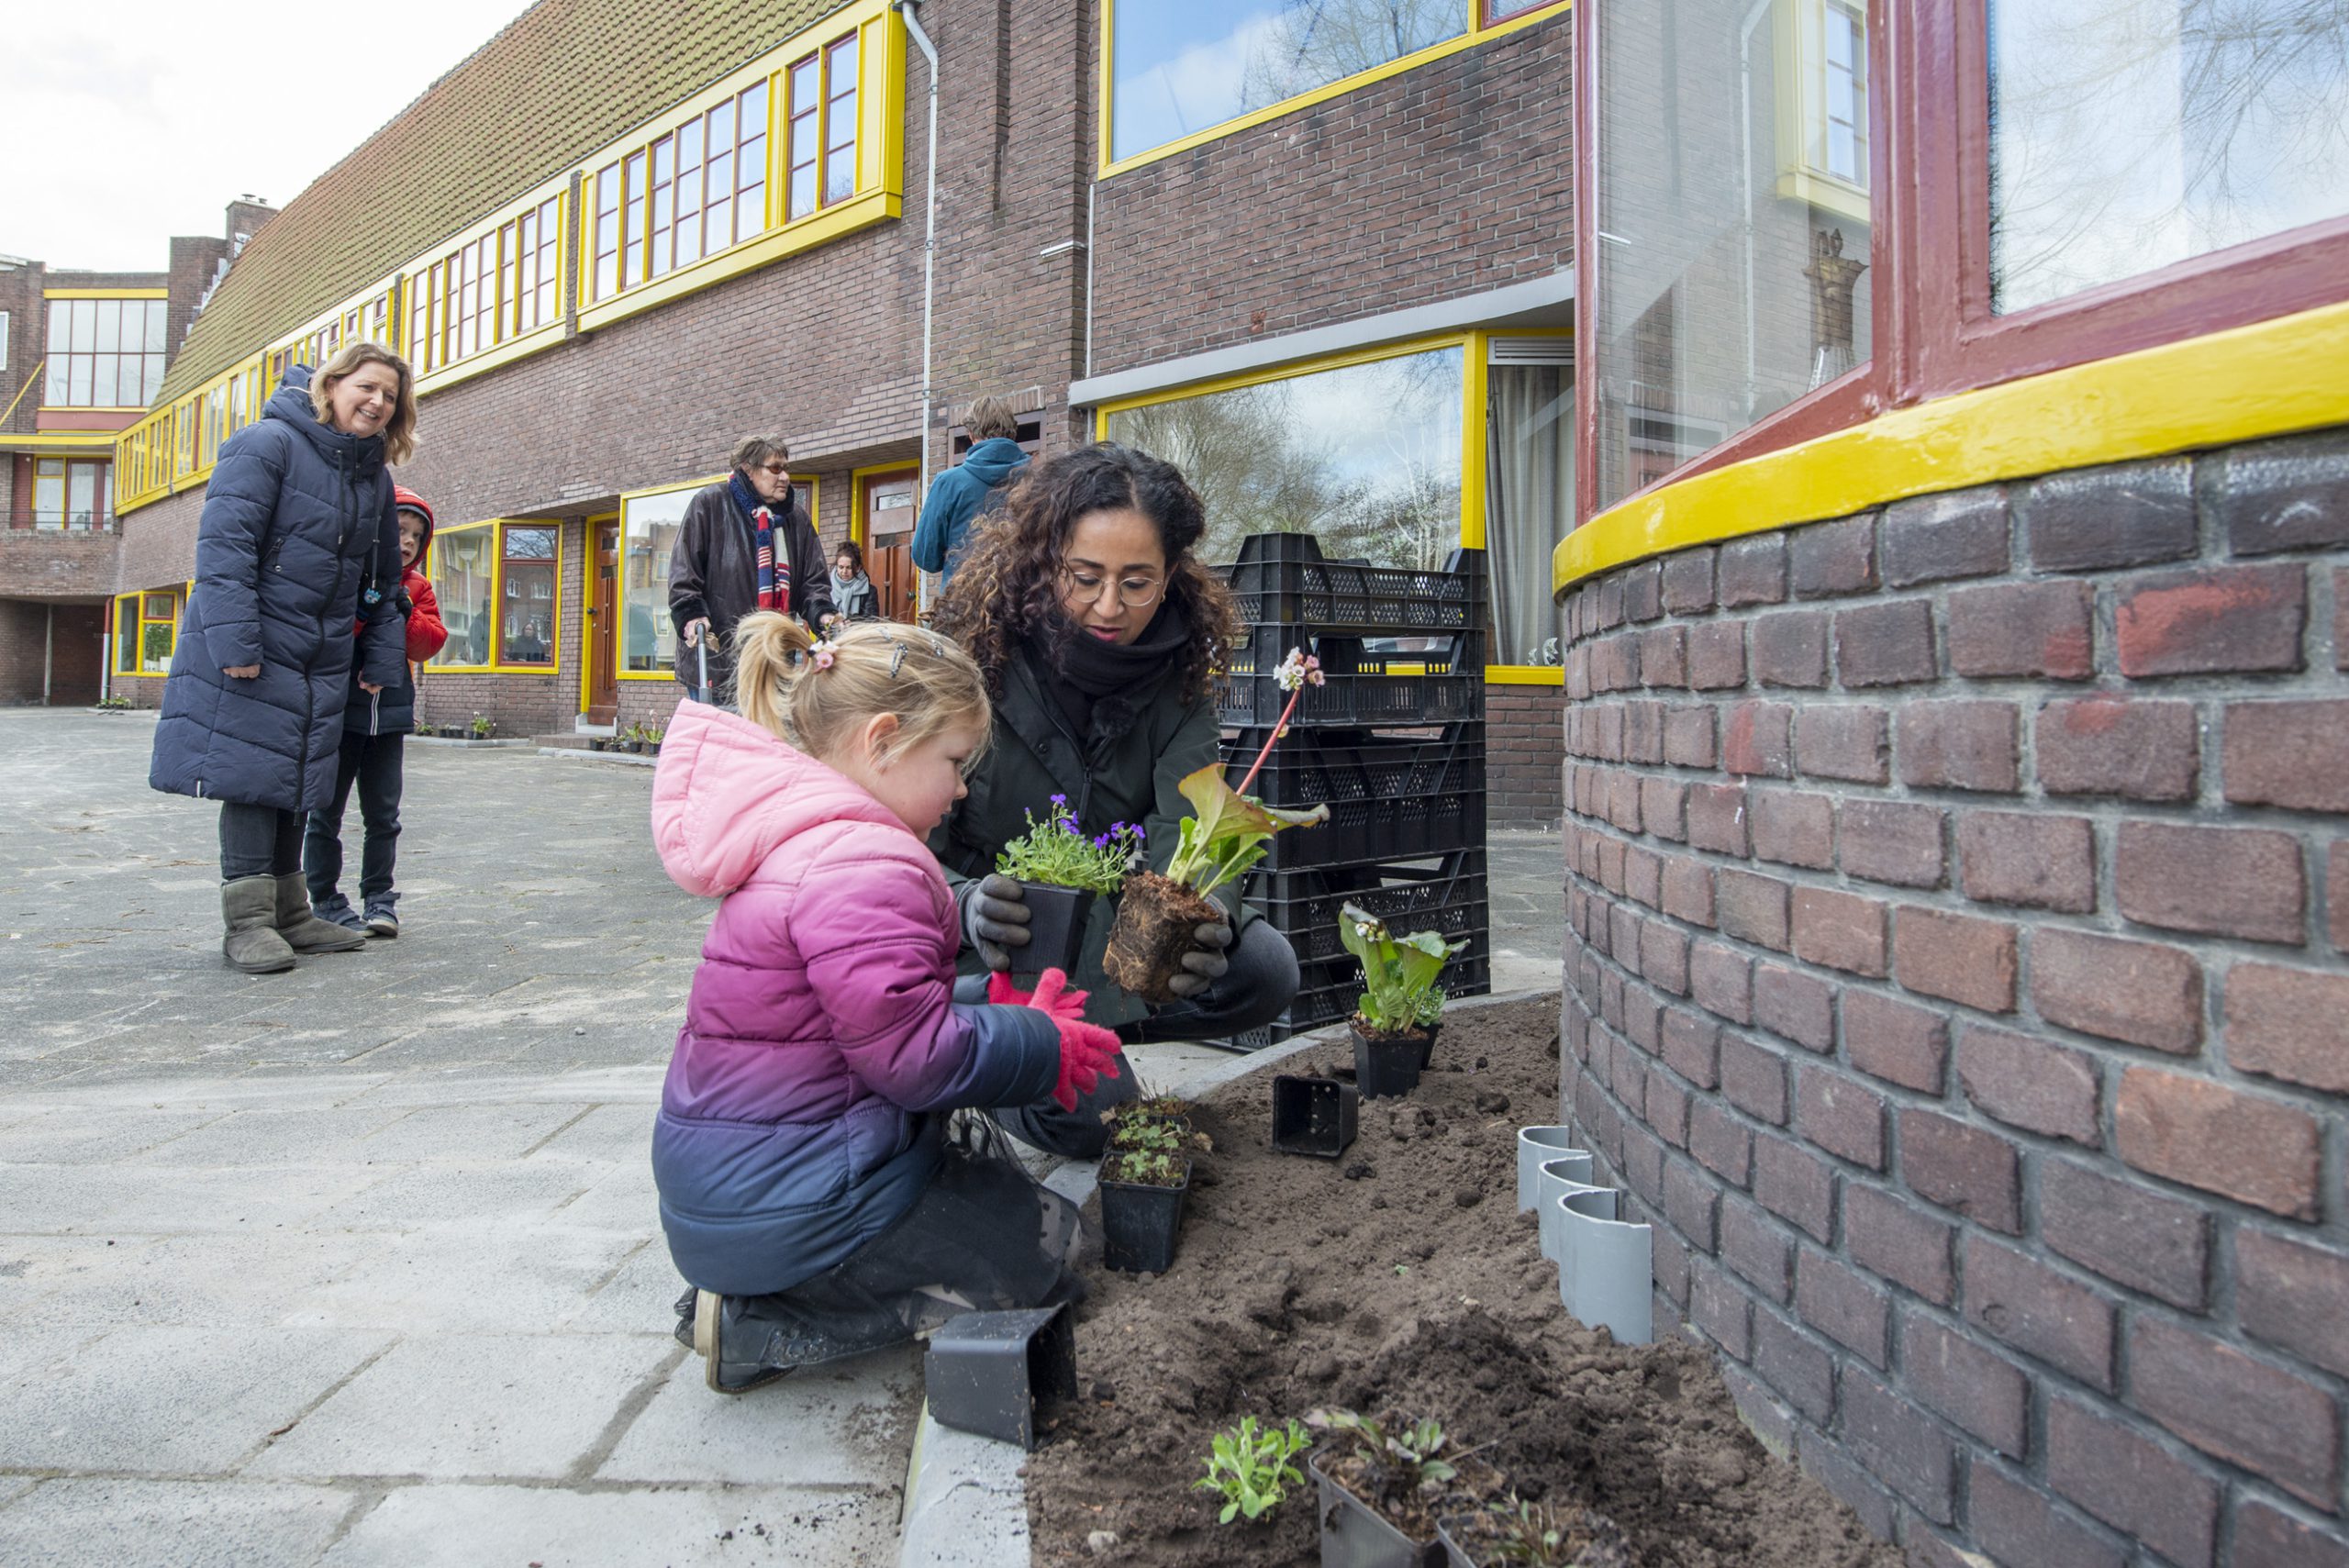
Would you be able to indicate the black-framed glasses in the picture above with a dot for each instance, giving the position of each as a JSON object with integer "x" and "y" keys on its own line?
{"x": 1079, "y": 586}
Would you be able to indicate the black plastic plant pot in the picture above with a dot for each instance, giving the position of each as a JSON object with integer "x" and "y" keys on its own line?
{"x": 990, "y": 1371}
{"x": 1385, "y": 1068}
{"x": 1056, "y": 921}
{"x": 1313, "y": 1115}
{"x": 1138, "y": 1223}
{"x": 1427, "y": 1050}
{"x": 1454, "y": 1554}
{"x": 1355, "y": 1535}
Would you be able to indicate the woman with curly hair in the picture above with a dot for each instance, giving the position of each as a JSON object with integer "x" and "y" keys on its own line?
{"x": 1100, "y": 637}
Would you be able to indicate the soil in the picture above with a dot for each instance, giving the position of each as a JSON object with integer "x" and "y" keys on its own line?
{"x": 1152, "y": 931}
{"x": 1401, "y": 1276}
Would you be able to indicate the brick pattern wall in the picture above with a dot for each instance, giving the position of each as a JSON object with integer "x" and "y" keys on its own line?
{"x": 1959, "y": 898}
{"x": 1523, "y": 750}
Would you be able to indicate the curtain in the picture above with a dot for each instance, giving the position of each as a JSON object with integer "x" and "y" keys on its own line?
{"x": 1528, "y": 498}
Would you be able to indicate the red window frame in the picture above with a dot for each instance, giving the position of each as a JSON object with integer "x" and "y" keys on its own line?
{"x": 1929, "y": 169}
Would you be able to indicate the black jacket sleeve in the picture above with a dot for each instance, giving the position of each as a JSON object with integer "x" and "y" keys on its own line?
{"x": 688, "y": 565}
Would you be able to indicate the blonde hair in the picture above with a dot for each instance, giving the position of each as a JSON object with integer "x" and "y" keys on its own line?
{"x": 991, "y": 418}
{"x": 814, "y": 694}
{"x": 399, "y": 431}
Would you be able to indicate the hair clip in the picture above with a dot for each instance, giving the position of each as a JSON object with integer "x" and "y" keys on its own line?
{"x": 896, "y": 657}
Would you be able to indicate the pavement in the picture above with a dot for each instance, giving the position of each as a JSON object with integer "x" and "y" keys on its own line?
{"x": 360, "y": 1264}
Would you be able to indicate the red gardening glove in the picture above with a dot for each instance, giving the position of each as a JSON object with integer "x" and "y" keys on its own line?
{"x": 1088, "y": 1052}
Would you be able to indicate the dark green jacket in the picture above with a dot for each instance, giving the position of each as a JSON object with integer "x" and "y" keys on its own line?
{"x": 1035, "y": 756}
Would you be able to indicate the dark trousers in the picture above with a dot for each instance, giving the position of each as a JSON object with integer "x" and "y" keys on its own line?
{"x": 1255, "y": 990}
{"x": 258, "y": 841}
{"x": 373, "y": 763}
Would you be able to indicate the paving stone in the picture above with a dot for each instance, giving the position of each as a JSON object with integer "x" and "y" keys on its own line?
{"x": 828, "y": 1424}
{"x": 464, "y": 1527}
{"x": 69, "y": 1523}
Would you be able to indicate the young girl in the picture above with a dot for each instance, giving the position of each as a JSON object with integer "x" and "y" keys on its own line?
{"x": 808, "y": 1187}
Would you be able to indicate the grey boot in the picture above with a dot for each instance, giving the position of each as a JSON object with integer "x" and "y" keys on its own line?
{"x": 249, "y": 906}
{"x": 305, "y": 933}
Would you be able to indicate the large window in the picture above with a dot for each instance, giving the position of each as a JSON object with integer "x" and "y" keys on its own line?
{"x": 692, "y": 192}
{"x": 499, "y": 583}
{"x": 1734, "y": 223}
{"x": 70, "y": 493}
{"x": 105, "y": 353}
{"x": 146, "y": 627}
{"x": 1181, "y": 67}
{"x": 488, "y": 291}
{"x": 822, "y": 155}
{"x": 2129, "y": 134}
{"x": 1367, "y": 456}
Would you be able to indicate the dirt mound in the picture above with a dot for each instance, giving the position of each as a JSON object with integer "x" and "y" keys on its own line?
{"x": 1401, "y": 1275}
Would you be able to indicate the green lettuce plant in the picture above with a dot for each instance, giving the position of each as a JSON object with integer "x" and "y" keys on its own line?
{"x": 1398, "y": 972}
{"x": 1250, "y": 1466}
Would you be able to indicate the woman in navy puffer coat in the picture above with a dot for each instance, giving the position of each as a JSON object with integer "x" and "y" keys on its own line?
{"x": 298, "y": 538}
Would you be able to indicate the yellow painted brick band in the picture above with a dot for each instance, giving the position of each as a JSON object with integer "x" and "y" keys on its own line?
{"x": 2266, "y": 379}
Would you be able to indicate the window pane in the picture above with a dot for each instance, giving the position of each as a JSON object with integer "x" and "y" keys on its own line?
{"x": 158, "y": 316}
{"x": 461, "y": 578}
{"x": 109, "y": 324}
{"x": 649, "y": 527}
{"x": 81, "y": 495}
{"x": 126, "y": 631}
{"x": 85, "y": 326}
{"x": 2129, "y": 134}
{"x": 78, "y": 378}
{"x": 61, "y": 326}
{"x": 1181, "y": 65}
{"x": 48, "y": 493}
{"x": 1367, "y": 456}
{"x": 103, "y": 390}
{"x": 1733, "y": 253}
{"x": 52, "y": 392}
{"x": 839, "y": 174}
{"x": 526, "y": 616}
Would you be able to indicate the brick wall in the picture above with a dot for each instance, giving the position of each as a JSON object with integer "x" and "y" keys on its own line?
{"x": 1959, "y": 898}
{"x": 1523, "y": 752}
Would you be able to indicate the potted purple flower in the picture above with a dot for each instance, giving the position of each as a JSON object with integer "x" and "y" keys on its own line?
{"x": 1060, "y": 872}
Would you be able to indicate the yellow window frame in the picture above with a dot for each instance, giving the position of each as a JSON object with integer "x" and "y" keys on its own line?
{"x": 497, "y": 664}
{"x": 122, "y": 603}
{"x": 880, "y": 165}
{"x": 1797, "y": 45}
{"x": 169, "y": 620}
{"x": 417, "y": 288}
{"x": 619, "y": 589}
{"x": 1475, "y": 345}
{"x": 1476, "y": 33}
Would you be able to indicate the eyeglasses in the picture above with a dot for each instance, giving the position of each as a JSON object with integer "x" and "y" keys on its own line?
{"x": 1081, "y": 587}
{"x": 774, "y": 468}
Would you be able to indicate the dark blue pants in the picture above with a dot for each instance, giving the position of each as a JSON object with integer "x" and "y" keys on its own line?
{"x": 258, "y": 841}
{"x": 372, "y": 762}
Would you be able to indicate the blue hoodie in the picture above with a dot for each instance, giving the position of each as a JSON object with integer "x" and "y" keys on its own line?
{"x": 958, "y": 496}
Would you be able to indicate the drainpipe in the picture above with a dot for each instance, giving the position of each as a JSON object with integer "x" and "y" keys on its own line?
{"x": 48, "y": 654}
{"x": 908, "y": 9}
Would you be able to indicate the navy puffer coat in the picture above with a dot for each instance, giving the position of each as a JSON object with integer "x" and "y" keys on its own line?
{"x": 296, "y": 518}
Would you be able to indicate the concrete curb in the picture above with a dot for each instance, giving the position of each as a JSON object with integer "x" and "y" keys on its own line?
{"x": 627, "y": 759}
{"x": 966, "y": 1505}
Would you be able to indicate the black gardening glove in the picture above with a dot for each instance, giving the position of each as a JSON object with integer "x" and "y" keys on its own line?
{"x": 1205, "y": 963}
{"x": 995, "y": 918}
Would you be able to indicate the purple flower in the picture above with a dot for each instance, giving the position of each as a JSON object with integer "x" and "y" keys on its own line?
{"x": 1060, "y": 800}
{"x": 1102, "y": 843}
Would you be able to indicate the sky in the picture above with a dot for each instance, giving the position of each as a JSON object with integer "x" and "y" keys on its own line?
{"x": 129, "y": 121}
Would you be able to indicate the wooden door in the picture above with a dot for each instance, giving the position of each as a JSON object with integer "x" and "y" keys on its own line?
{"x": 603, "y": 618}
{"x": 890, "y": 503}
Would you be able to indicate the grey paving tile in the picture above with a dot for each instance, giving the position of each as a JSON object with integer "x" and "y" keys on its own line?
{"x": 464, "y": 1527}
{"x": 836, "y": 1425}
{"x": 452, "y": 1406}
{"x": 169, "y": 1524}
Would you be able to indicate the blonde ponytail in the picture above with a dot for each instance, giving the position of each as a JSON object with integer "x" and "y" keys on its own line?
{"x": 813, "y": 693}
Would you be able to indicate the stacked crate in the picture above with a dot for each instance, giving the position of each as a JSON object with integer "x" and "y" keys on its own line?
{"x": 1393, "y": 742}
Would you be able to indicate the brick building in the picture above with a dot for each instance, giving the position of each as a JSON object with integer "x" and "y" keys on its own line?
{"x": 82, "y": 355}
{"x": 1957, "y": 852}
{"x": 601, "y": 292}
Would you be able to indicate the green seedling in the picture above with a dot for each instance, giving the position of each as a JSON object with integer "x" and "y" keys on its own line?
{"x": 1142, "y": 1168}
{"x": 1532, "y": 1534}
{"x": 1400, "y": 1459}
{"x": 1399, "y": 972}
{"x": 1251, "y": 1467}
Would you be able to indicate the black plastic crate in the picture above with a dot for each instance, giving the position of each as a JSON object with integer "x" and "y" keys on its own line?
{"x": 1449, "y": 896}
{"x": 1313, "y": 768}
{"x": 1283, "y": 579}
{"x": 1331, "y": 991}
{"x": 1361, "y": 689}
{"x": 1396, "y": 828}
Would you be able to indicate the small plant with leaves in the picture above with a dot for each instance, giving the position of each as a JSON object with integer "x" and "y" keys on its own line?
{"x": 1151, "y": 1136}
{"x": 1537, "y": 1535}
{"x": 1398, "y": 973}
{"x": 1251, "y": 1467}
{"x": 1399, "y": 1457}
{"x": 113, "y": 704}
{"x": 483, "y": 723}
{"x": 1143, "y": 1167}
{"x": 1055, "y": 852}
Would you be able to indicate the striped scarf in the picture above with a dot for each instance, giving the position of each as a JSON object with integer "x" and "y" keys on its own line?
{"x": 773, "y": 569}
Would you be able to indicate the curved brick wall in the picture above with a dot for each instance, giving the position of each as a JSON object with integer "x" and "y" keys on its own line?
{"x": 1958, "y": 898}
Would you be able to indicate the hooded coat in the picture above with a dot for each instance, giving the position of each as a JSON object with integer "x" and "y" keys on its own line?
{"x": 958, "y": 496}
{"x": 821, "y": 1033}
{"x": 297, "y": 520}
{"x": 391, "y": 711}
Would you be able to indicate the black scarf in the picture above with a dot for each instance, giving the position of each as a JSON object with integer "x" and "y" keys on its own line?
{"x": 1095, "y": 684}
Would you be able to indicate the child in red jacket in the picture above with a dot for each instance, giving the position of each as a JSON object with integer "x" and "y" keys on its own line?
{"x": 373, "y": 725}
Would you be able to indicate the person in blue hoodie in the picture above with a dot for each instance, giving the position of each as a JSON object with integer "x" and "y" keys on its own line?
{"x": 297, "y": 541}
{"x": 959, "y": 496}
